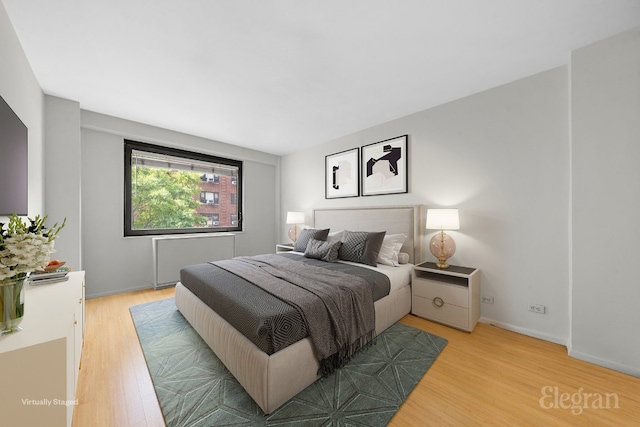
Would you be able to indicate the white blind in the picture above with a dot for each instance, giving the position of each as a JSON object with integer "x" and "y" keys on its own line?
{"x": 164, "y": 161}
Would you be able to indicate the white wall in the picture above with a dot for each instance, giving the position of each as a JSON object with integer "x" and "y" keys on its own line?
{"x": 605, "y": 87}
{"x": 21, "y": 90}
{"x": 116, "y": 264}
{"x": 62, "y": 176}
{"x": 502, "y": 158}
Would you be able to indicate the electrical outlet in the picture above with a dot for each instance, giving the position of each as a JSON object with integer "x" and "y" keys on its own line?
{"x": 537, "y": 308}
{"x": 487, "y": 299}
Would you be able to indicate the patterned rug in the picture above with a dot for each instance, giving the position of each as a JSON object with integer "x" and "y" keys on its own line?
{"x": 195, "y": 389}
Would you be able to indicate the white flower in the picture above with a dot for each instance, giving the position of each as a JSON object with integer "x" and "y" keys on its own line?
{"x": 10, "y": 261}
{"x": 23, "y": 251}
{"x": 5, "y": 272}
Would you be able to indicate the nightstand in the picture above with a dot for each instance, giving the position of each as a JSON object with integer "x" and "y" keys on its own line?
{"x": 450, "y": 296}
{"x": 284, "y": 247}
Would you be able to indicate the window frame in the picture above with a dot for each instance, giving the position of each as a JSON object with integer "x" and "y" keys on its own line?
{"x": 130, "y": 146}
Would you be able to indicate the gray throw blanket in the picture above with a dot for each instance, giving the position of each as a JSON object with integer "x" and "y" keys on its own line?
{"x": 337, "y": 308}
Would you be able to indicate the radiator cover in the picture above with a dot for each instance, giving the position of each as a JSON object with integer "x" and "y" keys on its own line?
{"x": 171, "y": 253}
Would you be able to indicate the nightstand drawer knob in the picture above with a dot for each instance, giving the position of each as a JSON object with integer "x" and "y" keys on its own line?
{"x": 438, "y": 302}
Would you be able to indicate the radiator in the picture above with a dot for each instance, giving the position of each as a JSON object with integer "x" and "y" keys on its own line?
{"x": 171, "y": 253}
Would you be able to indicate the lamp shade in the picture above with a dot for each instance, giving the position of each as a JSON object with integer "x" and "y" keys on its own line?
{"x": 295, "y": 217}
{"x": 443, "y": 219}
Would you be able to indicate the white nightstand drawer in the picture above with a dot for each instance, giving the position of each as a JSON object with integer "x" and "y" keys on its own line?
{"x": 448, "y": 313}
{"x": 450, "y": 294}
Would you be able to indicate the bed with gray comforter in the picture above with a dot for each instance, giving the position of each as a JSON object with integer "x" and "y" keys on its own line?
{"x": 277, "y": 300}
{"x": 271, "y": 365}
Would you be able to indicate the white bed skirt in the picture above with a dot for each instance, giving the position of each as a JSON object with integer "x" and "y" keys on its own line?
{"x": 271, "y": 380}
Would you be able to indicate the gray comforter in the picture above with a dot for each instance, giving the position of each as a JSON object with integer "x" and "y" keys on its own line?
{"x": 274, "y": 314}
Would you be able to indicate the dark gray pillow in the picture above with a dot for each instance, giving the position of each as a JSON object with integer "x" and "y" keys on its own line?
{"x": 361, "y": 246}
{"x": 308, "y": 234}
{"x": 326, "y": 251}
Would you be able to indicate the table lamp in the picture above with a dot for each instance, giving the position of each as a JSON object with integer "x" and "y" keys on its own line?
{"x": 442, "y": 245}
{"x": 294, "y": 218}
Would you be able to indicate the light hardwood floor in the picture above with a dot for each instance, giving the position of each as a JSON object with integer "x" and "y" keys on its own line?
{"x": 488, "y": 377}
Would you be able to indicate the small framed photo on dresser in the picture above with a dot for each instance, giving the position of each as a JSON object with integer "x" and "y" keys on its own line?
{"x": 384, "y": 167}
{"x": 342, "y": 172}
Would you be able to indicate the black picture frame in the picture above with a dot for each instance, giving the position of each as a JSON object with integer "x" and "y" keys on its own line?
{"x": 342, "y": 174}
{"x": 385, "y": 167}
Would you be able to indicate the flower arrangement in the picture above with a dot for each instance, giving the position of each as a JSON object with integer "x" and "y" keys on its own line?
{"x": 25, "y": 247}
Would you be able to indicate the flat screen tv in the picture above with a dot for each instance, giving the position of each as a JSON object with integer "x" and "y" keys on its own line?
{"x": 14, "y": 189}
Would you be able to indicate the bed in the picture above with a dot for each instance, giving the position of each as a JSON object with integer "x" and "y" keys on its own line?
{"x": 271, "y": 380}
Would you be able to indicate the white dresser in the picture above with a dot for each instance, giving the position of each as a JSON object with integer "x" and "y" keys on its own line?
{"x": 39, "y": 365}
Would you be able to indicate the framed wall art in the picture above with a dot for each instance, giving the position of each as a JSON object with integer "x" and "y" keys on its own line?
{"x": 342, "y": 174}
{"x": 384, "y": 167}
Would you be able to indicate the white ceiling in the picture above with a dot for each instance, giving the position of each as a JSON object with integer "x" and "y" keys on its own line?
{"x": 282, "y": 75}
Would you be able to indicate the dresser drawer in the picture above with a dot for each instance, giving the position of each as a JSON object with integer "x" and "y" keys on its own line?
{"x": 449, "y": 314}
{"x": 450, "y": 294}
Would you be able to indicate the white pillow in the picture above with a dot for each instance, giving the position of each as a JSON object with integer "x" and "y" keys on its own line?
{"x": 390, "y": 249}
{"x": 335, "y": 236}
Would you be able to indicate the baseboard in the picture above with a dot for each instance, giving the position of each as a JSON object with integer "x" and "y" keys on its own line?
{"x": 524, "y": 331}
{"x": 120, "y": 291}
{"x": 625, "y": 369}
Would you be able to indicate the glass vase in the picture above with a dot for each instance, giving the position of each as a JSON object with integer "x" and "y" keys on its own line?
{"x": 11, "y": 305}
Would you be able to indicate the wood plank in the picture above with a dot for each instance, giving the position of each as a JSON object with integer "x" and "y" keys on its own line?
{"x": 114, "y": 386}
{"x": 488, "y": 377}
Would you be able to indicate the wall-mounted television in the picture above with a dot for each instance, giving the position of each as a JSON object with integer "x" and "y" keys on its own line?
{"x": 14, "y": 190}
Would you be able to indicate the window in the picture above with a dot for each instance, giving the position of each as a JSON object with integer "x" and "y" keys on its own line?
{"x": 170, "y": 191}
{"x": 210, "y": 177}
{"x": 210, "y": 197}
{"x": 213, "y": 219}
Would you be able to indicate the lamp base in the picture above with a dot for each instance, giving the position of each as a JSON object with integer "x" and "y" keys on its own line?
{"x": 442, "y": 247}
{"x": 442, "y": 263}
{"x": 293, "y": 233}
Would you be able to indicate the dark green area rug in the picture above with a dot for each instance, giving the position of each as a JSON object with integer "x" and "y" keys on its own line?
{"x": 195, "y": 389}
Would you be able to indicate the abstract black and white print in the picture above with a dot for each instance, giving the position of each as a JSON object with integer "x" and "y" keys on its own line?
{"x": 385, "y": 167}
{"x": 342, "y": 174}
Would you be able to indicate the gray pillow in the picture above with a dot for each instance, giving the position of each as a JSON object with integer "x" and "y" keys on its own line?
{"x": 326, "y": 251}
{"x": 308, "y": 234}
{"x": 361, "y": 247}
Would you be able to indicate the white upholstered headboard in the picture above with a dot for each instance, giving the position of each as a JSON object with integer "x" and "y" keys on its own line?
{"x": 392, "y": 219}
